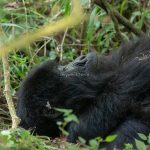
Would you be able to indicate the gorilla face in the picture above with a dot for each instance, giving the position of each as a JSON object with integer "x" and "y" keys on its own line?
{"x": 73, "y": 86}
{"x": 102, "y": 91}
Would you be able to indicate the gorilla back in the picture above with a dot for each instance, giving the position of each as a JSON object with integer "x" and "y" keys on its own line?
{"x": 109, "y": 95}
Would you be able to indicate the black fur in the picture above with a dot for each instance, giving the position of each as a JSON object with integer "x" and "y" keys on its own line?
{"x": 109, "y": 95}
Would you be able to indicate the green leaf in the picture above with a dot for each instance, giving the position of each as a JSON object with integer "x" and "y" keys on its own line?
{"x": 71, "y": 118}
{"x": 73, "y": 147}
{"x": 110, "y": 138}
{"x": 99, "y": 139}
{"x": 53, "y": 55}
{"x": 93, "y": 143}
{"x": 140, "y": 145}
{"x": 59, "y": 123}
{"x": 128, "y": 146}
{"x": 90, "y": 27}
{"x": 148, "y": 138}
{"x": 6, "y": 132}
{"x": 142, "y": 136}
{"x": 85, "y": 3}
{"x": 83, "y": 141}
{"x": 65, "y": 111}
{"x": 67, "y": 7}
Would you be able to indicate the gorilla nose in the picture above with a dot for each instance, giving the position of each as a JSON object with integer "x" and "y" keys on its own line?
{"x": 81, "y": 60}
{"x": 85, "y": 59}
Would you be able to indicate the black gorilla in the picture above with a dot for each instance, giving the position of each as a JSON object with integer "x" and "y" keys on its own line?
{"x": 109, "y": 95}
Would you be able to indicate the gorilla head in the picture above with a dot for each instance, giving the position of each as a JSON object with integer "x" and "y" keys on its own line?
{"x": 108, "y": 94}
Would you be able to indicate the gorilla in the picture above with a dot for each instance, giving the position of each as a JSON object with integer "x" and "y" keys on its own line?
{"x": 109, "y": 94}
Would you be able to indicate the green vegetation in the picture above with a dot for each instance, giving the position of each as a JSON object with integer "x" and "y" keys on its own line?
{"x": 20, "y": 139}
{"x": 96, "y": 33}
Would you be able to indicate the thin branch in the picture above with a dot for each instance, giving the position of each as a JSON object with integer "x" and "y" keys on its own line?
{"x": 7, "y": 92}
{"x": 111, "y": 13}
{"x": 122, "y": 20}
{"x": 62, "y": 43}
{"x": 7, "y": 87}
{"x": 127, "y": 24}
{"x": 75, "y": 18}
{"x": 148, "y": 5}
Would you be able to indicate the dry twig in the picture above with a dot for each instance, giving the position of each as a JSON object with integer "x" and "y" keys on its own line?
{"x": 7, "y": 92}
